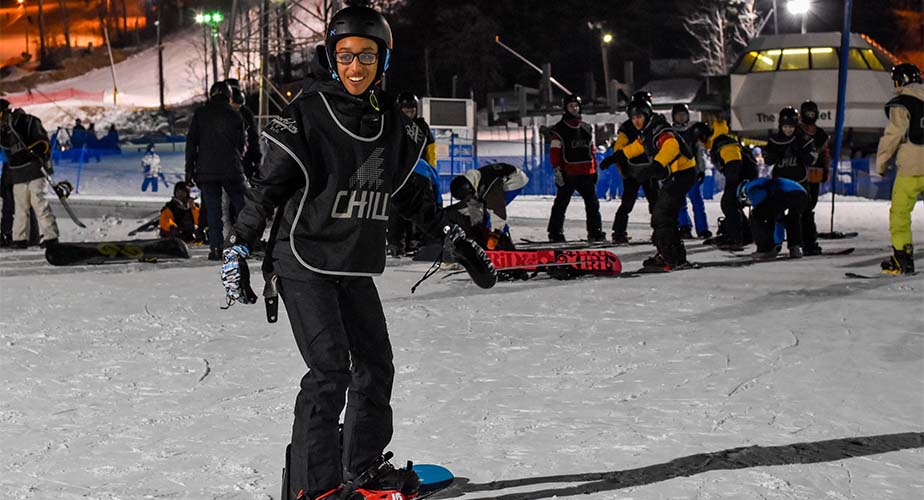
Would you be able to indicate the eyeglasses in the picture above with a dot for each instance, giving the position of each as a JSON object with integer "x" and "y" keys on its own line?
{"x": 365, "y": 58}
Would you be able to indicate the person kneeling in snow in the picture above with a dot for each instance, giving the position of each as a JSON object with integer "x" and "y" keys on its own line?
{"x": 180, "y": 216}
{"x": 774, "y": 200}
{"x": 485, "y": 193}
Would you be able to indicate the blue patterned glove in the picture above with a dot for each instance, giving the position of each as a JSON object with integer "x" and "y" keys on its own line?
{"x": 235, "y": 275}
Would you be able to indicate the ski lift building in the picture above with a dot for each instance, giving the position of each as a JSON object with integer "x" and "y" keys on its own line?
{"x": 784, "y": 70}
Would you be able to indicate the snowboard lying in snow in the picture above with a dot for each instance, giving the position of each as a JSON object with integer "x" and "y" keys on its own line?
{"x": 104, "y": 252}
{"x": 560, "y": 264}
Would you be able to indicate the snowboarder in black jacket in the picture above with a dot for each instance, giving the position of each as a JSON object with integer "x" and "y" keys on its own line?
{"x": 792, "y": 152}
{"x": 336, "y": 157}
{"x": 214, "y": 160}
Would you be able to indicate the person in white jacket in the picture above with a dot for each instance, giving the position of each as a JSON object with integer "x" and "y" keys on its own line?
{"x": 903, "y": 139}
{"x": 152, "y": 171}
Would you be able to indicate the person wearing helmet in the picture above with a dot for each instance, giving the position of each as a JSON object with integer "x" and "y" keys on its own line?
{"x": 25, "y": 142}
{"x": 682, "y": 126}
{"x": 903, "y": 139}
{"x": 791, "y": 152}
{"x": 738, "y": 164}
{"x": 483, "y": 195}
{"x": 252, "y": 154}
{"x": 180, "y": 216}
{"x": 671, "y": 163}
{"x": 772, "y": 200}
{"x": 336, "y": 156}
{"x": 817, "y": 173}
{"x": 574, "y": 169}
{"x": 625, "y": 135}
{"x": 215, "y": 146}
{"x": 150, "y": 164}
{"x": 401, "y": 232}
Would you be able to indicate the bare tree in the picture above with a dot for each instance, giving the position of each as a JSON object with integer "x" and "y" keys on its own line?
{"x": 722, "y": 28}
{"x": 67, "y": 26}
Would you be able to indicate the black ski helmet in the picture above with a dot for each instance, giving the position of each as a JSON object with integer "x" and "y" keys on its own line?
{"x": 363, "y": 22}
{"x": 680, "y": 108}
{"x": 905, "y": 73}
{"x": 461, "y": 188}
{"x": 408, "y": 100}
{"x": 701, "y": 131}
{"x": 642, "y": 95}
{"x": 220, "y": 89}
{"x": 789, "y": 116}
{"x": 809, "y": 112}
{"x": 237, "y": 96}
{"x": 568, "y": 99}
{"x": 640, "y": 107}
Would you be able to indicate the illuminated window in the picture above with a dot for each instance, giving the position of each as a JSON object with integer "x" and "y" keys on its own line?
{"x": 872, "y": 60}
{"x": 855, "y": 60}
{"x": 746, "y": 62}
{"x": 794, "y": 59}
{"x": 766, "y": 60}
{"x": 824, "y": 58}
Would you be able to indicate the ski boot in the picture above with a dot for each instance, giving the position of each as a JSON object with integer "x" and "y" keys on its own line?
{"x": 392, "y": 250}
{"x": 686, "y": 233}
{"x": 729, "y": 245}
{"x": 795, "y": 252}
{"x": 763, "y": 255}
{"x": 556, "y": 238}
{"x": 705, "y": 235}
{"x": 596, "y": 236}
{"x": 901, "y": 262}
{"x": 620, "y": 239}
{"x": 811, "y": 248}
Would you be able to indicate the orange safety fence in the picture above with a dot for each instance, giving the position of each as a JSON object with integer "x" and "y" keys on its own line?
{"x": 36, "y": 97}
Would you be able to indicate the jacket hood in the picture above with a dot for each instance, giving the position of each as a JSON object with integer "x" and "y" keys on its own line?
{"x": 915, "y": 90}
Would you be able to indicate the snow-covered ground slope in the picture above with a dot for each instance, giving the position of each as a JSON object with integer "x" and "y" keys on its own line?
{"x": 780, "y": 380}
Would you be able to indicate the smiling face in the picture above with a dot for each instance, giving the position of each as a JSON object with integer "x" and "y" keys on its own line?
{"x": 788, "y": 130}
{"x": 356, "y": 76}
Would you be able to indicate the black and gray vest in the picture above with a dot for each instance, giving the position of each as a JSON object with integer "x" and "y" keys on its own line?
{"x": 915, "y": 108}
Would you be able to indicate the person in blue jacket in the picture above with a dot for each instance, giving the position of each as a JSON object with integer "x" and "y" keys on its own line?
{"x": 773, "y": 200}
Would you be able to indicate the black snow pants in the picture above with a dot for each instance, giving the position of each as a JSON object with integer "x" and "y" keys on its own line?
{"x": 788, "y": 206}
{"x": 671, "y": 198}
{"x": 734, "y": 215}
{"x": 340, "y": 331}
{"x": 586, "y": 186}
{"x": 627, "y": 202}
{"x": 809, "y": 230}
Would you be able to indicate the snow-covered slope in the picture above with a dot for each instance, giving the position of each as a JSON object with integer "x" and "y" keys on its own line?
{"x": 128, "y": 382}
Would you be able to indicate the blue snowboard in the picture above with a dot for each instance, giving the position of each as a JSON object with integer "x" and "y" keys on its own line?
{"x": 433, "y": 478}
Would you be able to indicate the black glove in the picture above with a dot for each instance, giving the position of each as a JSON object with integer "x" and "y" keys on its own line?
{"x": 618, "y": 158}
{"x": 472, "y": 257}
{"x": 657, "y": 171}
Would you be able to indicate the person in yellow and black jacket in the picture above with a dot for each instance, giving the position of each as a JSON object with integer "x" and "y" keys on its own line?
{"x": 738, "y": 165}
{"x": 625, "y": 135}
{"x": 180, "y": 216}
{"x": 574, "y": 169}
{"x": 672, "y": 163}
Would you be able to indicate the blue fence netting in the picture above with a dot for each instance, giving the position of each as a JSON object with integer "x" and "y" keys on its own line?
{"x": 120, "y": 173}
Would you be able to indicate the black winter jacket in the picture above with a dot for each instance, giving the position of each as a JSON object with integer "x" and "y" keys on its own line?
{"x": 26, "y": 147}
{"x": 215, "y": 143}
{"x": 332, "y": 165}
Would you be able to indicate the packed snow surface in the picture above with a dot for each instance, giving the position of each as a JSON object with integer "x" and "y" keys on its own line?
{"x": 782, "y": 380}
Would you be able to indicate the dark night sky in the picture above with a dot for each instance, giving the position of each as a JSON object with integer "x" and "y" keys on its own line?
{"x": 459, "y": 37}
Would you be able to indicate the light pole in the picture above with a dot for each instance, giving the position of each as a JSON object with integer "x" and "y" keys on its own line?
{"x": 210, "y": 22}
{"x": 799, "y": 8}
{"x": 605, "y": 41}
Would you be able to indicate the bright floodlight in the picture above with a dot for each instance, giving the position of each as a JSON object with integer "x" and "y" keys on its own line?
{"x": 200, "y": 19}
{"x": 607, "y": 38}
{"x": 798, "y": 7}
{"x": 217, "y": 17}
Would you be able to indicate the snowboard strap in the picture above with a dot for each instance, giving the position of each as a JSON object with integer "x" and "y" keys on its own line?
{"x": 270, "y": 290}
{"x": 433, "y": 267}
